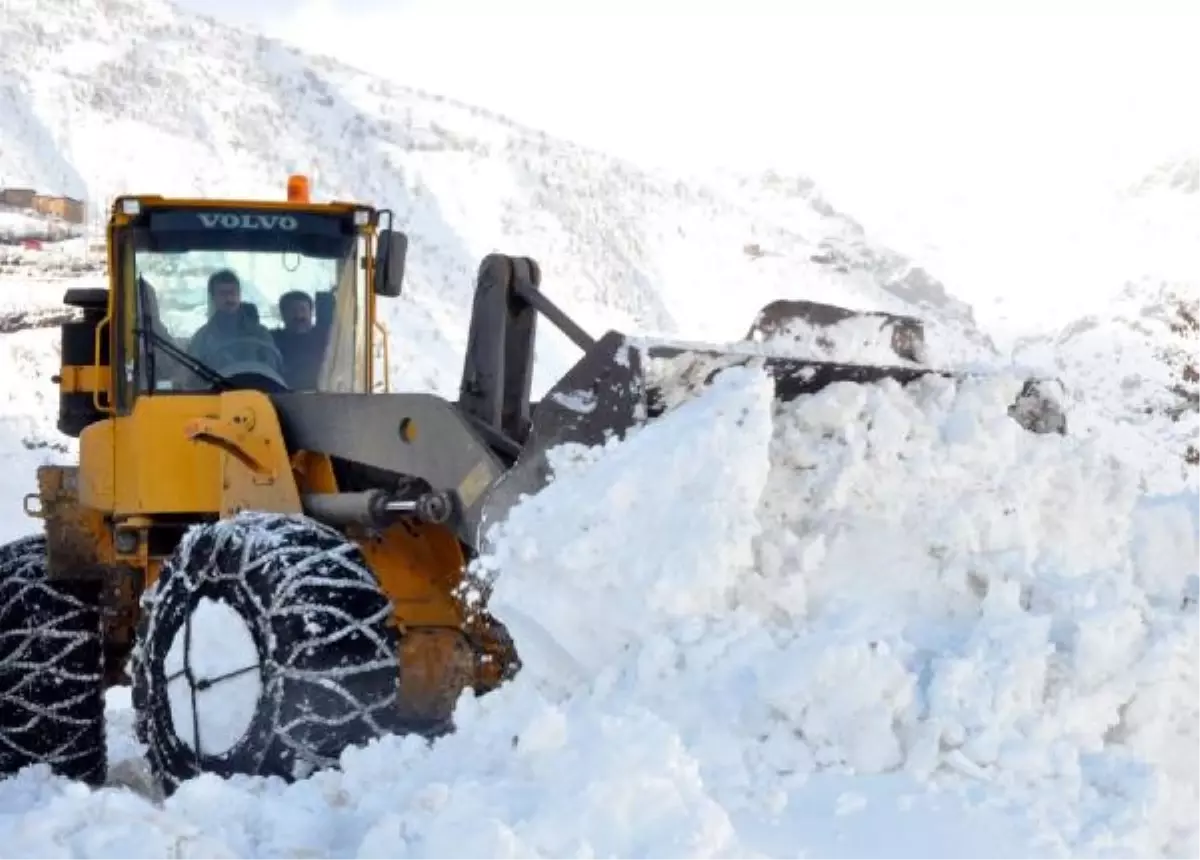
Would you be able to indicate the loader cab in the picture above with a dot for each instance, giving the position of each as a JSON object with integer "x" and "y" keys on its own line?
{"x": 200, "y": 290}
{"x": 162, "y": 255}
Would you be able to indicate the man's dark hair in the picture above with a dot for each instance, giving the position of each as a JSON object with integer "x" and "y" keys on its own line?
{"x": 294, "y": 296}
{"x": 223, "y": 276}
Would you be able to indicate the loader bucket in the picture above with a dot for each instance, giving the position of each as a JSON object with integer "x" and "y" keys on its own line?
{"x": 616, "y": 386}
{"x": 687, "y": 369}
{"x": 611, "y": 389}
{"x": 906, "y": 334}
{"x": 620, "y": 382}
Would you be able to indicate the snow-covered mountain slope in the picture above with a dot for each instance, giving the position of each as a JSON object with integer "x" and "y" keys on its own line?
{"x": 109, "y": 96}
{"x": 1131, "y": 371}
{"x": 1130, "y": 361}
{"x": 1035, "y": 251}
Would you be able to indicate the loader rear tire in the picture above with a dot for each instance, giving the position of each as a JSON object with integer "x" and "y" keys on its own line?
{"x": 51, "y": 668}
{"x": 265, "y": 648}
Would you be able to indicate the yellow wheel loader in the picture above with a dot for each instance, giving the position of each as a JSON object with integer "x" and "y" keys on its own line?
{"x": 279, "y": 568}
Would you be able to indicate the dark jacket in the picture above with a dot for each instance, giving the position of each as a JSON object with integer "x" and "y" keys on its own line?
{"x": 302, "y": 354}
{"x": 230, "y": 338}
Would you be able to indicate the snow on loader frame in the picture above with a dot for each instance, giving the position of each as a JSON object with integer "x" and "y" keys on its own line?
{"x": 279, "y": 568}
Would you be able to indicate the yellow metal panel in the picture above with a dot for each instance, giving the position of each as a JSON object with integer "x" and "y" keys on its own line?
{"x": 256, "y": 470}
{"x": 313, "y": 472}
{"x": 158, "y": 468}
{"x": 97, "y": 487}
{"x": 419, "y": 566}
{"x": 335, "y": 208}
{"x": 436, "y": 665}
{"x": 83, "y": 378}
{"x": 202, "y": 454}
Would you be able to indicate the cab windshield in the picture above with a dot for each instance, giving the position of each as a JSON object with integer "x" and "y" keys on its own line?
{"x": 247, "y": 294}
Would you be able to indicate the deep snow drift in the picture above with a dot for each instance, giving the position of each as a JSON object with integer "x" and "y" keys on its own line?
{"x": 875, "y": 621}
{"x": 1128, "y": 370}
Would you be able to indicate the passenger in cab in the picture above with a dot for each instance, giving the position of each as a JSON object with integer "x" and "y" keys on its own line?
{"x": 301, "y": 341}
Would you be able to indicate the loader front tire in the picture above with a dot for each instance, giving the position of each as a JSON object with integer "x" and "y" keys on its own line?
{"x": 265, "y": 648}
{"x": 51, "y": 668}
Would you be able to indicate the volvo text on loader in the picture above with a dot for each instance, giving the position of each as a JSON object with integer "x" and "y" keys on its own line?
{"x": 281, "y": 571}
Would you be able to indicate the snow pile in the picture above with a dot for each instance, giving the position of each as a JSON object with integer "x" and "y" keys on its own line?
{"x": 936, "y": 594}
{"x": 70, "y": 257}
{"x": 683, "y": 559}
{"x": 16, "y": 226}
{"x": 1130, "y": 371}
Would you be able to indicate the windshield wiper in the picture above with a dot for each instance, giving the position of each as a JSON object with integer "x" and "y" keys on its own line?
{"x": 188, "y": 360}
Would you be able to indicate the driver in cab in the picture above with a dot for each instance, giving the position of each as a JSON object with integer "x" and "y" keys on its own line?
{"x": 232, "y": 333}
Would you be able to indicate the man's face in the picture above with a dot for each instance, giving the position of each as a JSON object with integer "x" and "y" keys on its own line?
{"x": 297, "y": 316}
{"x": 227, "y": 295}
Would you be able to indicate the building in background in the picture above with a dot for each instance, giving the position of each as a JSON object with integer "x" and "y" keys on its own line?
{"x": 21, "y": 198}
{"x": 36, "y": 221}
{"x": 67, "y": 208}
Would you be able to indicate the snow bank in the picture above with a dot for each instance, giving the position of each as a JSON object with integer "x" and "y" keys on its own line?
{"x": 29, "y": 359}
{"x": 28, "y": 437}
{"x": 16, "y": 226}
{"x": 935, "y": 593}
{"x": 1126, "y": 369}
{"x": 938, "y": 598}
{"x": 620, "y": 530}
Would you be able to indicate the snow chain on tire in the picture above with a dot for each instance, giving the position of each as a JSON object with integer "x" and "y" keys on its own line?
{"x": 325, "y": 640}
{"x": 51, "y": 668}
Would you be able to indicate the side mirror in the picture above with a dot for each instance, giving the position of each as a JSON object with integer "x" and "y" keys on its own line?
{"x": 391, "y": 251}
